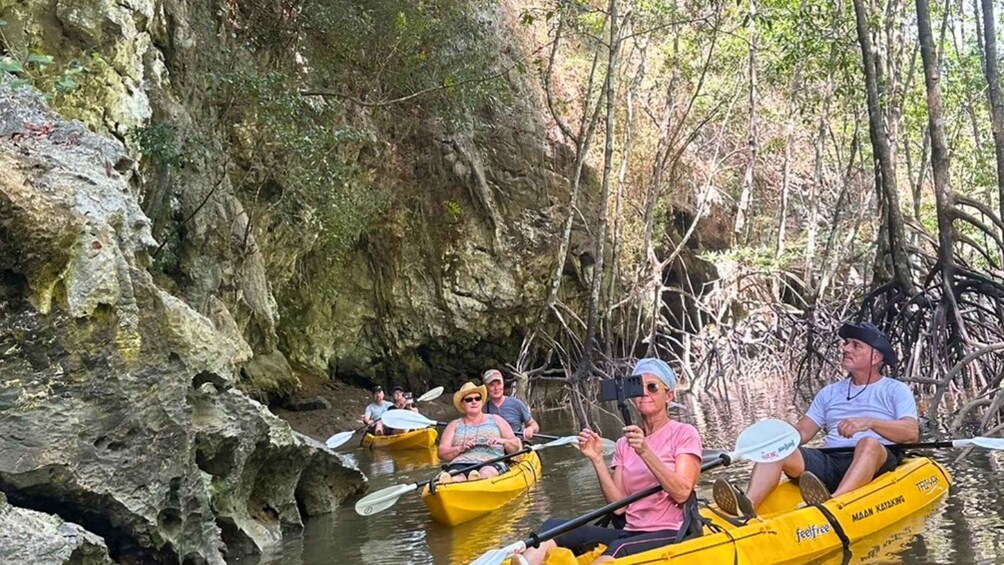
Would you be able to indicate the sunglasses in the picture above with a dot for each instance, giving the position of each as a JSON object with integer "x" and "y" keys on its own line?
{"x": 470, "y": 399}
{"x": 652, "y": 388}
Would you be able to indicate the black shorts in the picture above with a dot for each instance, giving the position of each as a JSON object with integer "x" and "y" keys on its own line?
{"x": 619, "y": 543}
{"x": 831, "y": 467}
{"x": 500, "y": 467}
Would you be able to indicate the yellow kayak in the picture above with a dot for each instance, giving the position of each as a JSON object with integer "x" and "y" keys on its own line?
{"x": 789, "y": 532}
{"x": 456, "y": 503}
{"x": 425, "y": 437}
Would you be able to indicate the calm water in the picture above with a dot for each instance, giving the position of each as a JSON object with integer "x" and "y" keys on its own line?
{"x": 967, "y": 526}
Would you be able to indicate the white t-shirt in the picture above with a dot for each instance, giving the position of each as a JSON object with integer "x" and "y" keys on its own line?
{"x": 374, "y": 410}
{"x": 886, "y": 399}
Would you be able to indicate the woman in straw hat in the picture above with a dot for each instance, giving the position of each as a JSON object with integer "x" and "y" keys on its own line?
{"x": 475, "y": 437}
{"x": 659, "y": 451}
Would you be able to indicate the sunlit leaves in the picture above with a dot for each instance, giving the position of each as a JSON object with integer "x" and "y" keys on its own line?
{"x": 9, "y": 65}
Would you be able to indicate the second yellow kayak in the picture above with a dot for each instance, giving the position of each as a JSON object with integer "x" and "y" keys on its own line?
{"x": 425, "y": 437}
{"x": 456, "y": 503}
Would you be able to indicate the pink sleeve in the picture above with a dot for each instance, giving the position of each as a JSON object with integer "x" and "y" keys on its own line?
{"x": 619, "y": 452}
{"x": 689, "y": 441}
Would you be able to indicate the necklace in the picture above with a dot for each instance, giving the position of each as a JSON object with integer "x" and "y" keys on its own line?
{"x": 858, "y": 393}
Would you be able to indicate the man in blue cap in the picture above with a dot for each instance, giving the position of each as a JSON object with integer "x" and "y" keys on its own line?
{"x": 513, "y": 410}
{"x": 866, "y": 410}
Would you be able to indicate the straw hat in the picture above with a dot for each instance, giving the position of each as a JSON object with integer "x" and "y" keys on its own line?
{"x": 468, "y": 388}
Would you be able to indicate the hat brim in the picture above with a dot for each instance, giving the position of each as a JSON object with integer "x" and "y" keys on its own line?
{"x": 851, "y": 331}
{"x": 464, "y": 391}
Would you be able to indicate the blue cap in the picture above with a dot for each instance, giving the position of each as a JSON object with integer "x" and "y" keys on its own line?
{"x": 657, "y": 368}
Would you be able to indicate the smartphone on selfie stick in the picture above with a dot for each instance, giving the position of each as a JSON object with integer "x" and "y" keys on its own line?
{"x": 621, "y": 389}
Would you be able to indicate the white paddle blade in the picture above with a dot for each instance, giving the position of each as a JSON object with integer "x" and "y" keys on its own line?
{"x": 431, "y": 395}
{"x": 338, "y": 440}
{"x": 567, "y": 440}
{"x": 498, "y": 556}
{"x": 988, "y": 442}
{"x": 405, "y": 420}
{"x": 609, "y": 446}
{"x": 767, "y": 441}
{"x": 382, "y": 499}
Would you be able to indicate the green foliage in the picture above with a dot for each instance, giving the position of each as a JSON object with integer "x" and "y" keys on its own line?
{"x": 157, "y": 142}
{"x": 385, "y": 50}
{"x": 453, "y": 209}
{"x": 295, "y": 166}
{"x": 48, "y": 75}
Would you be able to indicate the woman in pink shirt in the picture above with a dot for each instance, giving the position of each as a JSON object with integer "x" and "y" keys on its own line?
{"x": 660, "y": 451}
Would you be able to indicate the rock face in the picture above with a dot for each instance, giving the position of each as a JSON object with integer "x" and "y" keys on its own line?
{"x": 429, "y": 297}
{"x": 27, "y": 536}
{"x": 116, "y": 406}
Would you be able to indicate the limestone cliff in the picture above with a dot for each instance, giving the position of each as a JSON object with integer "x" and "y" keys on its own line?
{"x": 452, "y": 264}
{"x": 117, "y": 410}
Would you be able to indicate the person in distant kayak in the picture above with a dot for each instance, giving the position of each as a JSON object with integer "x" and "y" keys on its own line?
{"x": 866, "y": 410}
{"x": 475, "y": 437}
{"x": 399, "y": 401}
{"x": 659, "y": 451}
{"x": 514, "y": 410}
{"x": 376, "y": 409}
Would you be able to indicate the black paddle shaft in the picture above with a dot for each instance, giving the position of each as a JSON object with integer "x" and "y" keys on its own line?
{"x": 472, "y": 466}
{"x": 535, "y": 539}
{"x": 928, "y": 445}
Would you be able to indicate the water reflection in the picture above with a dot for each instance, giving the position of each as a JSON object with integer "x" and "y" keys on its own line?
{"x": 463, "y": 543}
{"x": 964, "y": 527}
{"x": 887, "y": 545}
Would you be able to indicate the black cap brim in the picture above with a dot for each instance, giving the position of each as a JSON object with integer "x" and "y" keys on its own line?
{"x": 873, "y": 337}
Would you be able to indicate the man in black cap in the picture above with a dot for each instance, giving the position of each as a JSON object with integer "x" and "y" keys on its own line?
{"x": 866, "y": 410}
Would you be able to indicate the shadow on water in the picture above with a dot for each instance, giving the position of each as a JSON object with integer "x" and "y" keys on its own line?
{"x": 967, "y": 526}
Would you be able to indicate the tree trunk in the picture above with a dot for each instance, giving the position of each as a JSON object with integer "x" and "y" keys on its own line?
{"x": 994, "y": 93}
{"x": 583, "y": 140}
{"x": 592, "y": 318}
{"x": 892, "y": 220}
{"x": 939, "y": 152}
{"x": 789, "y": 140}
{"x": 742, "y": 213}
{"x": 622, "y": 176}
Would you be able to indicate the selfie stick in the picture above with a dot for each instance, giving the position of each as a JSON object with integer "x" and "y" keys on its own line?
{"x": 622, "y": 401}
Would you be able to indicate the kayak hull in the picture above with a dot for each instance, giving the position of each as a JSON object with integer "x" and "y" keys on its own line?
{"x": 456, "y": 503}
{"x": 787, "y": 533}
{"x": 414, "y": 439}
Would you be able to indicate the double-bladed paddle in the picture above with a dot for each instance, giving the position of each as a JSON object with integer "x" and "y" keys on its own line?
{"x": 764, "y": 442}
{"x": 340, "y": 438}
{"x": 406, "y": 419}
{"x": 387, "y": 497}
{"x": 984, "y": 442}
